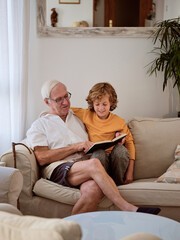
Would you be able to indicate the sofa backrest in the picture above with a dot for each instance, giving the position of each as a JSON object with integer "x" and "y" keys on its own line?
{"x": 155, "y": 143}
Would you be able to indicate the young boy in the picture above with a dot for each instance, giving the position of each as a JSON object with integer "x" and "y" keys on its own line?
{"x": 103, "y": 125}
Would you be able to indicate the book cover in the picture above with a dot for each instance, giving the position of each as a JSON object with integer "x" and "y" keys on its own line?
{"x": 106, "y": 144}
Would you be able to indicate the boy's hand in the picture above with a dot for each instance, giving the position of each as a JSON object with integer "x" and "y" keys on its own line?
{"x": 122, "y": 142}
{"x": 128, "y": 178}
{"x": 129, "y": 173}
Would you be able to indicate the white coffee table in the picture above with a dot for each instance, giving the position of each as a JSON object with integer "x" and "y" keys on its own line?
{"x": 112, "y": 225}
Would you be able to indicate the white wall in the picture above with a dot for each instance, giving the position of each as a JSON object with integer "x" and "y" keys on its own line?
{"x": 82, "y": 62}
{"x": 69, "y": 13}
{"x": 171, "y": 9}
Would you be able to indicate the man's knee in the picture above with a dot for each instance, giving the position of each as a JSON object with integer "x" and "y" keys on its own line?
{"x": 91, "y": 191}
{"x": 95, "y": 164}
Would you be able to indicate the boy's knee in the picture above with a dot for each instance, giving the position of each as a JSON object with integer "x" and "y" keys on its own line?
{"x": 103, "y": 157}
{"x": 120, "y": 151}
{"x": 100, "y": 154}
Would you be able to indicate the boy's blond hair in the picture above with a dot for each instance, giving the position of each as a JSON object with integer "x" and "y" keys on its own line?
{"x": 98, "y": 91}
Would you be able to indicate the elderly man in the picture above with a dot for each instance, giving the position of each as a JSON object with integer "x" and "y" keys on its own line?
{"x": 59, "y": 141}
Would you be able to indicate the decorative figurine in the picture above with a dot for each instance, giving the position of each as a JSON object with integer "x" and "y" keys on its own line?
{"x": 83, "y": 24}
{"x": 54, "y": 17}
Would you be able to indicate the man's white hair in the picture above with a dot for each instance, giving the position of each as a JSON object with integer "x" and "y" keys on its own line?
{"x": 47, "y": 87}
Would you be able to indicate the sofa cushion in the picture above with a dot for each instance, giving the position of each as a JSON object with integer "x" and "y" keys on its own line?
{"x": 155, "y": 142}
{"x": 35, "y": 228}
{"x": 147, "y": 192}
{"x": 140, "y": 192}
{"x": 47, "y": 189}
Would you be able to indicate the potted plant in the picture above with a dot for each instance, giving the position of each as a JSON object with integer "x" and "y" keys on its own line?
{"x": 167, "y": 53}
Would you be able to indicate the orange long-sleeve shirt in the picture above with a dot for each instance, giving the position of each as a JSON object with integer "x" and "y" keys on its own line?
{"x": 105, "y": 129}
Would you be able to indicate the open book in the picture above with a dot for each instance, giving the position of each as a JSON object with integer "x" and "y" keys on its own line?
{"x": 105, "y": 144}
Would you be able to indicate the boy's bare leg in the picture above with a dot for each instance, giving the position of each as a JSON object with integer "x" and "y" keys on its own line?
{"x": 91, "y": 195}
{"x": 83, "y": 171}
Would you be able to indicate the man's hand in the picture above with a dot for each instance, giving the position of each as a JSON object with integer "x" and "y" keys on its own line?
{"x": 117, "y": 134}
{"x": 84, "y": 146}
{"x": 45, "y": 156}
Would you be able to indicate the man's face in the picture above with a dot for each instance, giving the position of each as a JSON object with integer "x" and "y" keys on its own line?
{"x": 59, "y": 101}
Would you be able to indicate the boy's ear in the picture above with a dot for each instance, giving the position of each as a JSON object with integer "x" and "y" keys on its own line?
{"x": 111, "y": 108}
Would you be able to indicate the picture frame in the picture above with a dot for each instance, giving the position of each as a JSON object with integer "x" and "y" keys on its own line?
{"x": 69, "y": 1}
{"x": 59, "y": 32}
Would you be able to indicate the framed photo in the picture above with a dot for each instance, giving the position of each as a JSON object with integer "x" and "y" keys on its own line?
{"x": 69, "y": 1}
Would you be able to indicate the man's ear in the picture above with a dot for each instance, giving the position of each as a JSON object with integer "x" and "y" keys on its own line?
{"x": 46, "y": 101}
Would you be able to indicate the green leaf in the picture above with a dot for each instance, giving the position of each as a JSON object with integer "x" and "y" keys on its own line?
{"x": 167, "y": 54}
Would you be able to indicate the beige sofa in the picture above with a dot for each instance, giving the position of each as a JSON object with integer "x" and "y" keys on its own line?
{"x": 155, "y": 143}
{"x": 14, "y": 226}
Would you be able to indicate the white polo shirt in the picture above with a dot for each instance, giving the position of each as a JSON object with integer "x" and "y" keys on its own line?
{"x": 50, "y": 130}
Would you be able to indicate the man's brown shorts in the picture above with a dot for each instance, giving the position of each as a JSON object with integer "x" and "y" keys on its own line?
{"x": 59, "y": 174}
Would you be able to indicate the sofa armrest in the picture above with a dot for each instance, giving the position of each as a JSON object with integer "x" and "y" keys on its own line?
{"x": 11, "y": 182}
{"x": 27, "y": 164}
{"x": 2, "y": 164}
{"x": 5, "y": 207}
{"x": 13, "y": 226}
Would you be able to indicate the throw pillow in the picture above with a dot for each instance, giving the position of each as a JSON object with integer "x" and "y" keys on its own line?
{"x": 172, "y": 175}
{"x": 177, "y": 153}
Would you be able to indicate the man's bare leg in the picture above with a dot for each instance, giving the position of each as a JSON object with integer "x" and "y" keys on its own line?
{"x": 83, "y": 171}
{"x": 91, "y": 195}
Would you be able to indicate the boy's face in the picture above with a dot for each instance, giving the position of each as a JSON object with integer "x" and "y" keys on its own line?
{"x": 102, "y": 107}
